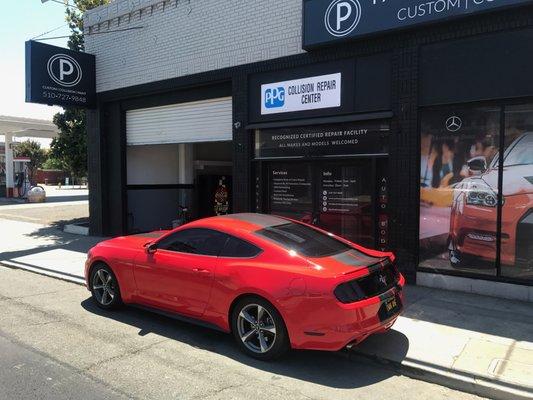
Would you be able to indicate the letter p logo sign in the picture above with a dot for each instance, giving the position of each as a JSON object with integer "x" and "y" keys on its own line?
{"x": 64, "y": 70}
{"x": 342, "y": 17}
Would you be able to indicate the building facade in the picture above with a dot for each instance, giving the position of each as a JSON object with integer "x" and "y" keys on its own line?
{"x": 416, "y": 136}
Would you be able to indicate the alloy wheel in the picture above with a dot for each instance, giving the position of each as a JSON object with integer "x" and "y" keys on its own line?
{"x": 103, "y": 287}
{"x": 256, "y": 328}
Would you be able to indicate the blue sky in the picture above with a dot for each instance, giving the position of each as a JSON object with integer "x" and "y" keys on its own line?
{"x": 22, "y": 20}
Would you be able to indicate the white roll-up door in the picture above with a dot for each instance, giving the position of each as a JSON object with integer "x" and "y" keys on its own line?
{"x": 198, "y": 121}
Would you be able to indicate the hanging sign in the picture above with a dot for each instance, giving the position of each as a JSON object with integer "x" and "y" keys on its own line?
{"x": 58, "y": 76}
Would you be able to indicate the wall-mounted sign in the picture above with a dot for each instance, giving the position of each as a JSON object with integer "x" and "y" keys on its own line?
{"x": 310, "y": 93}
{"x": 327, "y": 21}
{"x": 58, "y": 76}
{"x": 315, "y": 141}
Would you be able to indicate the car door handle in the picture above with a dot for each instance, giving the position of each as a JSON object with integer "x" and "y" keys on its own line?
{"x": 201, "y": 271}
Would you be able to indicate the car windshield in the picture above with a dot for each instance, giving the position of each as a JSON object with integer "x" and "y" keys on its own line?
{"x": 522, "y": 152}
{"x": 304, "y": 240}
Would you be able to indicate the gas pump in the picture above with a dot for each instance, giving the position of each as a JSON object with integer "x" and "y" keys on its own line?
{"x": 21, "y": 179}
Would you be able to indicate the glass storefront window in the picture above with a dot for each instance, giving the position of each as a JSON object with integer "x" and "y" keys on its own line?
{"x": 460, "y": 181}
{"x": 459, "y": 189}
{"x": 517, "y": 189}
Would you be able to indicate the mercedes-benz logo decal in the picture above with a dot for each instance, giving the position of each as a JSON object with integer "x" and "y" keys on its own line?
{"x": 454, "y": 123}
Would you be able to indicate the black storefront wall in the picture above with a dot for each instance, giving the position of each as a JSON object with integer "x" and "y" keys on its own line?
{"x": 404, "y": 83}
{"x": 317, "y": 162}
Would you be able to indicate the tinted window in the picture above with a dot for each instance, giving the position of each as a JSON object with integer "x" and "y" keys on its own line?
{"x": 195, "y": 241}
{"x": 239, "y": 248}
{"x": 304, "y": 240}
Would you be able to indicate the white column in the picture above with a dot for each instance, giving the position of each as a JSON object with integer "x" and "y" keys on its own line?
{"x": 185, "y": 163}
{"x": 186, "y": 173}
{"x": 9, "y": 165}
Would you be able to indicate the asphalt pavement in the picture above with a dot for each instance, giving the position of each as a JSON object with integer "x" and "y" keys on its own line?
{"x": 62, "y": 206}
{"x": 57, "y": 344}
{"x": 28, "y": 374}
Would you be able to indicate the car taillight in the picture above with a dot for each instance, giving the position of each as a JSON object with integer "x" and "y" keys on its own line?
{"x": 377, "y": 282}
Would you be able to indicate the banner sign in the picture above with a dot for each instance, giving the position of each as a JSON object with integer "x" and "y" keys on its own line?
{"x": 311, "y": 93}
{"x": 316, "y": 141}
{"x": 327, "y": 21}
{"x": 58, "y": 76}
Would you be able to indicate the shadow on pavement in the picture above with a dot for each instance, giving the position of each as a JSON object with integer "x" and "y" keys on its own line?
{"x": 334, "y": 370}
{"x": 60, "y": 199}
{"x": 471, "y": 312}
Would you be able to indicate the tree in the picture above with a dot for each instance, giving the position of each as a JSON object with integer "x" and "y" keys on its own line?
{"x": 52, "y": 162}
{"x": 36, "y": 154}
{"x": 74, "y": 18}
{"x": 70, "y": 146}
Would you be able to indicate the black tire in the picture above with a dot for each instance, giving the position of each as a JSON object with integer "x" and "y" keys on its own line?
{"x": 278, "y": 343}
{"x": 457, "y": 260}
{"x": 111, "y": 299}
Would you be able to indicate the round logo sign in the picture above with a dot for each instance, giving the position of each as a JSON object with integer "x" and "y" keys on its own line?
{"x": 454, "y": 123}
{"x": 64, "y": 70}
{"x": 342, "y": 17}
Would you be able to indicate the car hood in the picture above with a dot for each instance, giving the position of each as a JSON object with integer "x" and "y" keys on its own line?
{"x": 517, "y": 179}
{"x": 135, "y": 241}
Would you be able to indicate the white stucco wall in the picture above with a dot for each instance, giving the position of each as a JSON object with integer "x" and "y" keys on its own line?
{"x": 182, "y": 37}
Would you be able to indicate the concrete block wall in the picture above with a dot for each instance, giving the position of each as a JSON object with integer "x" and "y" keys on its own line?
{"x": 162, "y": 39}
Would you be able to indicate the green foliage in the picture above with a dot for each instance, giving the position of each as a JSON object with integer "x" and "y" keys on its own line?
{"x": 74, "y": 18}
{"x": 52, "y": 163}
{"x": 69, "y": 149}
{"x": 33, "y": 150}
{"x": 70, "y": 146}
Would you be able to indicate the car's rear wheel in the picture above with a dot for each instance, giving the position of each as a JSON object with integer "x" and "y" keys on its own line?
{"x": 104, "y": 287}
{"x": 259, "y": 329}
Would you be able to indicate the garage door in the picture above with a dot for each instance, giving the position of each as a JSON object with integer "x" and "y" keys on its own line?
{"x": 199, "y": 121}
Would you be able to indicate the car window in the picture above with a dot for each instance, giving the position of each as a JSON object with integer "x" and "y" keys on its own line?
{"x": 304, "y": 240}
{"x": 239, "y": 248}
{"x": 195, "y": 241}
{"x": 521, "y": 153}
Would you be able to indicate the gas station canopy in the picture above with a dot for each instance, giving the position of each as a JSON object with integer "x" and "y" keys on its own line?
{"x": 27, "y": 127}
{"x": 11, "y": 127}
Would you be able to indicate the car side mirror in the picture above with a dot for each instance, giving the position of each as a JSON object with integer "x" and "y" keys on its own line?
{"x": 150, "y": 248}
{"x": 477, "y": 164}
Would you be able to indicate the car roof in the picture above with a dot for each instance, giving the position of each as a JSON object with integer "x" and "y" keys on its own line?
{"x": 249, "y": 222}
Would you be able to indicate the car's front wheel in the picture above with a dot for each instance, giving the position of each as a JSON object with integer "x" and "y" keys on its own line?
{"x": 259, "y": 329}
{"x": 104, "y": 287}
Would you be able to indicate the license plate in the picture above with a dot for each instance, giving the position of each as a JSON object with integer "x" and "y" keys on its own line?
{"x": 389, "y": 308}
{"x": 391, "y": 304}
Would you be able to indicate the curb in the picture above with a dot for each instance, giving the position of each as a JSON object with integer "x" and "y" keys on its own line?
{"x": 464, "y": 382}
{"x": 46, "y": 272}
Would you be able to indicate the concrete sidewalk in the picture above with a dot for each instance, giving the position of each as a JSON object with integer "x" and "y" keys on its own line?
{"x": 44, "y": 249}
{"x": 478, "y": 344}
{"x": 473, "y": 343}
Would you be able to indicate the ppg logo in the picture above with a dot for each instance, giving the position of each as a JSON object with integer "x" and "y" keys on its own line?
{"x": 64, "y": 70}
{"x": 342, "y": 17}
{"x": 275, "y": 97}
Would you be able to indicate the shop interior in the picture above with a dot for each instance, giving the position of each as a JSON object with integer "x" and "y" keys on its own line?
{"x": 168, "y": 184}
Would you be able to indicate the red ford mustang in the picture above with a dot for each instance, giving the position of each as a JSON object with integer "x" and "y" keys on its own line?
{"x": 274, "y": 283}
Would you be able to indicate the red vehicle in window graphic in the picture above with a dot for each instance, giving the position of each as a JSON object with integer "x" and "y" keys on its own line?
{"x": 473, "y": 221}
